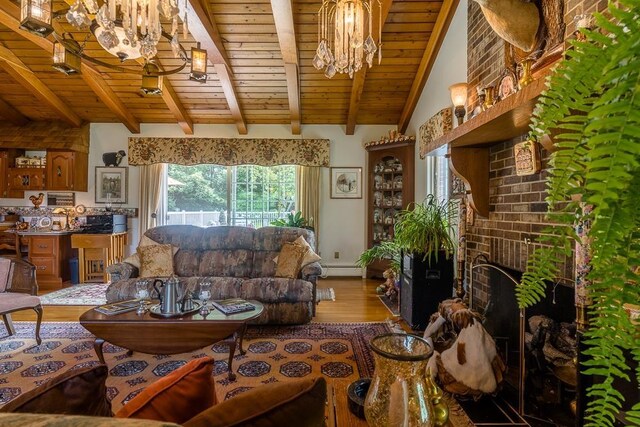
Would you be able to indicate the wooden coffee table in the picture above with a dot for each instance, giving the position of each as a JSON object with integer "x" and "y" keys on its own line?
{"x": 157, "y": 335}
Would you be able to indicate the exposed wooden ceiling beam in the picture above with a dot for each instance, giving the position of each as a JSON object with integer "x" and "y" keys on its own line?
{"x": 440, "y": 28}
{"x": 283, "y": 16}
{"x": 203, "y": 28}
{"x": 8, "y": 17}
{"x": 23, "y": 75}
{"x": 12, "y": 114}
{"x": 358, "y": 79}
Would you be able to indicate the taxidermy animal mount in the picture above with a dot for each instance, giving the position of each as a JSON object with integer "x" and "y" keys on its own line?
{"x": 516, "y": 21}
{"x": 113, "y": 159}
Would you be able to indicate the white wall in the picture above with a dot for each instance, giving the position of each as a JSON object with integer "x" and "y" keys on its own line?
{"x": 450, "y": 67}
{"x": 343, "y": 227}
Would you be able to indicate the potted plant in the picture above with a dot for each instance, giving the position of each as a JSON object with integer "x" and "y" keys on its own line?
{"x": 593, "y": 102}
{"x": 293, "y": 219}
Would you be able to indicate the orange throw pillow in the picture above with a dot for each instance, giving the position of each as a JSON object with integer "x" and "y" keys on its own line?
{"x": 176, "y": 397}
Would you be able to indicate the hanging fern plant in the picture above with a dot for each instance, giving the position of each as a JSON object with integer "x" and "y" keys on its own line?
{"x": 593, "y": 101}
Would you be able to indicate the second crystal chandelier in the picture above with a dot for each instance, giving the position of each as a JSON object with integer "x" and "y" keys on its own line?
{"x": 342, "y": 46}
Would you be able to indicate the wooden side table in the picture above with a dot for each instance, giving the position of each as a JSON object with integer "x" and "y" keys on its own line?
{"x": 96, "y": 252}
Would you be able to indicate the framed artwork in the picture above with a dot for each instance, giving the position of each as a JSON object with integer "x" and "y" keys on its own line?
{"x": 346, "y": 183}
{"x": 508, "y": 85}
{"x": 111, "y": 184}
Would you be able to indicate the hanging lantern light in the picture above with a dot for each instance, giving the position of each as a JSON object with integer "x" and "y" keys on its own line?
{"x": 198, "y": 64}
{"x": 64, "y": 60}
{"x": 151, "y": 80}
{"x": 35, "y": 17}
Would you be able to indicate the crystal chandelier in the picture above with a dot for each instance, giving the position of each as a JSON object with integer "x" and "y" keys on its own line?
{"x": 127, "y": 29}
{"x": 342, "y": 46}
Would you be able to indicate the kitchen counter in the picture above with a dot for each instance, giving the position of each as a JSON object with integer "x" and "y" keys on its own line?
{"x": 44, "y": 232}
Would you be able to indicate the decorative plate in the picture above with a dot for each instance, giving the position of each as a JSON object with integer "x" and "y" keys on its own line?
{"x": 508, "y": 85}
{"x": 80, "y": 209}
{"x": 44, "y": 222}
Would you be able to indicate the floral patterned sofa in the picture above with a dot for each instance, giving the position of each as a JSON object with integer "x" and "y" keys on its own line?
{"x": 238, "y": 261}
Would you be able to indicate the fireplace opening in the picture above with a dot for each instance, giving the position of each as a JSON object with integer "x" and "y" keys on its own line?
{"x": 540, "y": 381}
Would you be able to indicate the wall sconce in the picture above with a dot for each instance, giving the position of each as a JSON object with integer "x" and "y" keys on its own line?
{"x": 198, "y": 64}
{"x": 64, "y": 60}
{"x": 151, "y": 80}
{"x": 35, "y": 17}
{"x": 459, "y": 99}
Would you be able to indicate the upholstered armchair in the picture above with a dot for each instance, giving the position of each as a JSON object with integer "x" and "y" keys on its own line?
{"x": 18, "y": 291}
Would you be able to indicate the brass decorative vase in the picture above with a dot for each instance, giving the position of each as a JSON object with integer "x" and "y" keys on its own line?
{"x": 399, "y": 394}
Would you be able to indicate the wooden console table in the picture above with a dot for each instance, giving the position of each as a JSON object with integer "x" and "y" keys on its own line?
{"x": 96, "y": 252}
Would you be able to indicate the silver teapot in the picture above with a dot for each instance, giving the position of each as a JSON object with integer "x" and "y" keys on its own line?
{"x": 169, "y": 293}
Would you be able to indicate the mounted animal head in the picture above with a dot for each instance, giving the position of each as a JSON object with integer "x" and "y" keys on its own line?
{"x": 515, "y": 21}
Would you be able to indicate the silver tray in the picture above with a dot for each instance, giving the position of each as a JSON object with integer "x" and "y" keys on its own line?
{"x": 154, "y": 310}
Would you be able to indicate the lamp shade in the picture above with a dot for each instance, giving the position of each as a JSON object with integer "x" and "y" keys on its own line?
{"x": 35, "y": 17}
{"x": 65, "y": 61}
{"x": 198, "y": 65}
{"x": 458, "y": 94}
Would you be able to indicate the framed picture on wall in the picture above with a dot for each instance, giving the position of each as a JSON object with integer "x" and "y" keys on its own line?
{"x": 346, "y": 183}
{"x": 111, "y": 184}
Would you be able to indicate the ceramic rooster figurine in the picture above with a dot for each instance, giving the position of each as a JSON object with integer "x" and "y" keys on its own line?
{"x": 37, "y": 200}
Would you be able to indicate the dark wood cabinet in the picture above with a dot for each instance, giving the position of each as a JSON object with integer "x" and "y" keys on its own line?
{"x": 67, "y": 170}
{"x": 423, "y": 286}
{"x": 26, "y": 179}
{"x": 390, "y": 188}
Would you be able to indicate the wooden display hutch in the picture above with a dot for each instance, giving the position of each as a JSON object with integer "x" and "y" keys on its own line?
{"x": 390, "y": 170}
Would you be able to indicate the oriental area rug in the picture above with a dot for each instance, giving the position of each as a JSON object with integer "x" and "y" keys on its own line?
{"x": 94, "y": 294}
{"x": 338, "y": 351}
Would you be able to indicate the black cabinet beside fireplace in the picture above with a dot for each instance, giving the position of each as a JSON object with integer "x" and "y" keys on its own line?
{"x": 423, "y": 286}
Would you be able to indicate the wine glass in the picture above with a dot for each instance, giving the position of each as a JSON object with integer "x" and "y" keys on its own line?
{"x": 142, "y": 293}
{"x": 204, "y": 295}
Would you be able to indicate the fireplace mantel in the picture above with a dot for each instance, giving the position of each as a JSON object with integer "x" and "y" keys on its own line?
{"x": 468, "y": 144}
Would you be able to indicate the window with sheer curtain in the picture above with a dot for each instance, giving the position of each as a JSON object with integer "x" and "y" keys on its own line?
{"x": 247, "y": 195}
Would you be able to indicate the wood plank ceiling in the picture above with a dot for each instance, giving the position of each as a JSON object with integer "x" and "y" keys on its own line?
{"x": 260, "y": 71}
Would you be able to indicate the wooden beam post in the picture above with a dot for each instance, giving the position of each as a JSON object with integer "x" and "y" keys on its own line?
{"x": 428, "y": 59}
{"x": 283, "y": 16}
{"x": 358, "y": 79}
{"x": 203, "y": 28}
{"x": 9, "y": 13}
{"x": 23, "y": 75}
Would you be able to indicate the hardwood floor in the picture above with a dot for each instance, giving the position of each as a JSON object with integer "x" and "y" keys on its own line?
{"x": 356, "y": 301}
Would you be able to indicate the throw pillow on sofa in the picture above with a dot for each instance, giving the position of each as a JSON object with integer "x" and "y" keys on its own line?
{"x": 290, "y": 260}
{"x": 176, "y": 397}
{"x": 79, "y": 391}
{"x": 309, "y": 257}
{"x": 145, "y": 241}
{"x": 156, "y": 261}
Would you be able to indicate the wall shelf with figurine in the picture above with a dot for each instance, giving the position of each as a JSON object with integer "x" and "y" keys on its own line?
{"x": 390, "y": 170}
{"x": 468, "y": 144}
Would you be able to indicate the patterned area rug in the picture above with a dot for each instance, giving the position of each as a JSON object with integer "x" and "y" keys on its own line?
{"x": 89, "y": 294}
{"x": 339, "y": 351}
{"x": 94, "y": 294}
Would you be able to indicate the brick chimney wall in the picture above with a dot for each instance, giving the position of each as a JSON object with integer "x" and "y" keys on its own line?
{"x": 517, "y": 203}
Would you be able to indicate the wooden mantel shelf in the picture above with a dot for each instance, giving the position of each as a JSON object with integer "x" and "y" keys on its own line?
{"x": 507, "y": 119}
{"x": 468, "y": 144}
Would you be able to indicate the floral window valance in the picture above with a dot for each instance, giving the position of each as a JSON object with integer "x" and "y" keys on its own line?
{"x": 229, "y": 151}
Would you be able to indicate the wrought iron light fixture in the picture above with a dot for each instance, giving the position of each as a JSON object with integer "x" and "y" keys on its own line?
{"x": 343, "y": 43}
{"x": 127, "y": 29}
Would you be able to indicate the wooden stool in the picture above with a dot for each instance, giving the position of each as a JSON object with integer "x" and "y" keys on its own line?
{"x": 96, "y": 252}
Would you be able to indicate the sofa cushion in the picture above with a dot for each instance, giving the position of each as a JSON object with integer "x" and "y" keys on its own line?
{"x": 268, "y": 242}
{"x": 299, "y": 403}
{"x": 175, "y": 397}
{"x": 290, "y": 260}
{"x": 145, "y": 241}
{"x": 309, "y": 257}
{"x": 226, "y": 262}
{"x": 49, "y": 420}
{"x": 80, "y": 391}
{"x": 156, "y": 260}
